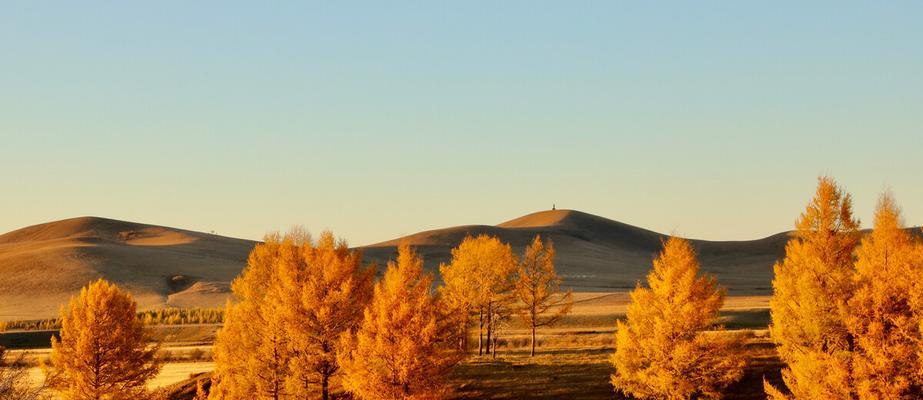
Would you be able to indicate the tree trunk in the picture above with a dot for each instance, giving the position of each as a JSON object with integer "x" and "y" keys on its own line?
{"x": 480, "y": 330}
{"x": 463, "y": 339}
{"x": 325, "y": 387}
{"x": 494, "y": 355}
{"x": 489, "y": 325}
{"x": 532, "y": 354}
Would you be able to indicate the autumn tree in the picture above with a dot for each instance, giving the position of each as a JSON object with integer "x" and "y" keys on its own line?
{"x": 479, "y": 282}
{"x": 251, "y": 349}
{"x": 320, "y": 294}
{"x": 103, "y": 352}
{"x": 665, "y": 349}
{"x": 811, "y": 287}
{"x": 538, "y": 288}
{"x": 295, "y": 299}
{"x": 405, "y": 346}
{"x": 882, "y": 318}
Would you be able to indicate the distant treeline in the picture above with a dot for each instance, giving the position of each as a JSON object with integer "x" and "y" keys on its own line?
{"x": 163, "y": 316}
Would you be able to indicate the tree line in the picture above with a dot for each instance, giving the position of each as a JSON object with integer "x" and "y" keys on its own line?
{"x": 846, "y": 314}
{"x": 846, "y": 319}
{"x": 161, "y": 316}
{"x": 307, "y": 310}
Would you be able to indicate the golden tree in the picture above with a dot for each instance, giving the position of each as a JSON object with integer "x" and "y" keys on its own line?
{"x": 479, "y": 281}
{"x": 405, "y": 346}
{"x": 538, "y": 288}
{"x": 810, "y": 290}
{"x": 251, "y": 349}
{"x": 882, "y": 319}
{"x": 320, "y": 293}
{"x": 296, "y": 298}
{"x": 664, "y": 351}
{"x": 103, "y": 352}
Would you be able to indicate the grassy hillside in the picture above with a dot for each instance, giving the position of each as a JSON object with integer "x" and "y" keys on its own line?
{"x": 43, "y": 265}
{"x": 595, "y": 253}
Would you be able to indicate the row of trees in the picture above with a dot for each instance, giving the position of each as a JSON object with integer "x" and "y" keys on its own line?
{"x": 306, "y": 311}
{"x": 847, "y": 318}
{"x": 309, "y": 310}
{"x": 161, "y": 316}
{"x": 847, "y": 315}
{"x": 182, "y": 316}
{"x": 847, "y": 310}
{"x": 486, "y": 283}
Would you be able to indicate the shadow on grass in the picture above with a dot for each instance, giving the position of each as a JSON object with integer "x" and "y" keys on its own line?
{"x": 745, "y": 319}
{"x": 518, "y": 379}
{"x": 583, "y": 374}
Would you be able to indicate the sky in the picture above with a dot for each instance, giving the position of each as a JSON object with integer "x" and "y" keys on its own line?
{"x": 710, "y": 120}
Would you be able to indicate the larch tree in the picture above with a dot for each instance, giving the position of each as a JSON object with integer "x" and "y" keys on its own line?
{"x": 294, "y": 300}
{"x": 481, "y": 276}
{"x": 320, "y": 293}
{"x": 882, "y": 317}
{"x": 459, "y": 296}
{"x": 103, "y": 352}
{"x": 665, "y": 349}
{"x": 251, "y": 349}
{"x": 811, "y": 287}
{"x": 405, "y": 346}
{"x": 538, "y": 288}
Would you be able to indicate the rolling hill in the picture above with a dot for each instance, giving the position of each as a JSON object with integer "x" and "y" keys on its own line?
{"x": 599, "y": 254}
{"x": 41, "y": 266}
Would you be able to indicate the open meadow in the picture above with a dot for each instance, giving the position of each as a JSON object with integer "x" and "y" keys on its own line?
{"x": 572, "y": 360}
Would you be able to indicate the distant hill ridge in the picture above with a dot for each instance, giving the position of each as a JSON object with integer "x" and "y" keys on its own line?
{"x": 596, "y": 253}
{"x": 41, "y": 266}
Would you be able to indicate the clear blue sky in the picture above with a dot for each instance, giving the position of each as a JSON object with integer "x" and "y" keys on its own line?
{"x": 377, "y": 120}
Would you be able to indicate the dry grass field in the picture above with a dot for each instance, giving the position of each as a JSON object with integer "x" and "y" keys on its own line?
{"x": 572, "y": 360}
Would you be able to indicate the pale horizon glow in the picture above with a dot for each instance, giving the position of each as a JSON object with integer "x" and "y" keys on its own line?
{"x": 381, "y": 120}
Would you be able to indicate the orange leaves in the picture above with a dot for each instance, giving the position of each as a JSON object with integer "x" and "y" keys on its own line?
{"x": 295, "y": 299}
{"x": 883, "y": 318}
{"x": 810, "y": 290}
{"x": 403, "y": 348}
{"x": 846, "y": 315}
{"x": 103, "y": 352}
{"x": 663, "y": 350}
{"x": 479, "y": 282}
{"x": 538, "y": 288}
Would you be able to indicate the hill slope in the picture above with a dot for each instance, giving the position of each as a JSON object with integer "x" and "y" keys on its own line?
{"x": 41, "y": 266}
{"x": 595, "y": 253}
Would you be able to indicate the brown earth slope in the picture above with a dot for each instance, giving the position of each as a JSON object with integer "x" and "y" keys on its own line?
{"x": 41, "y": 266}
{"x": 599, "y": 254}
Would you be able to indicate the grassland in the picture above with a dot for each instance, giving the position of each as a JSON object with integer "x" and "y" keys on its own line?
{"x": 572, "y": 362}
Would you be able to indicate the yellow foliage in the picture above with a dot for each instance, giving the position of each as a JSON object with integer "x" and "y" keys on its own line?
{"x": 479, "y": 281}
{"x": 405, "y": 347}
{"x": 103, "y": 352}
{"x": 251, "y": 356}
{"x": 810, "y": 290}
{"x": 320, "y": 293}
{"x": 538, "y": 288}
{"x": 663, "y": 350}
{"x": 296, "y": 298}
{"x": 882, "y": 318}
